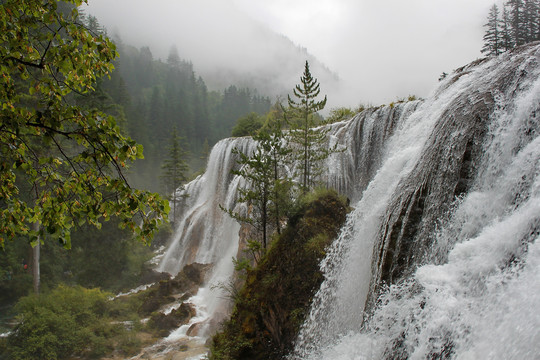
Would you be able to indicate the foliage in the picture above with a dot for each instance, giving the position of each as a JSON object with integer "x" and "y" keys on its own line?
{"x": 267, "y": 187}
{"x": 272, "y": 304}
{"x": 247, "y": 125}
{"x": 72, "y": 159}
{"x": 66, "y": 322}
{"x": 309, "y": 144}
{"x": 339, "y": 114}
{"x": 109, "y": 258}
{"x": 164, "y": 95}
{"x": 492, "y": 39}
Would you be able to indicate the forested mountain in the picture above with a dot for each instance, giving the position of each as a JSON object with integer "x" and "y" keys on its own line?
{"x": 245, "y": 52}
{"x": 159, "y": 95}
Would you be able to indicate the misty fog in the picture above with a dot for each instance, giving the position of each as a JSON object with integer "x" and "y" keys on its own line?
{"x": 361, "y": 51}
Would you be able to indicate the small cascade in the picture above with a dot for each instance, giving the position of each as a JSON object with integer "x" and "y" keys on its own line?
{"x": 440, "y": 257}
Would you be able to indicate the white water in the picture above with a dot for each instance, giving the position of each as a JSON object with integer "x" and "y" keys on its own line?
{"x": 478, "y": 297}
{"x": 205, "y": 234}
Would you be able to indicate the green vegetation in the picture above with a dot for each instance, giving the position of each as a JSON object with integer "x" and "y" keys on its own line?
{"x": 309, "y": 144}
{"x": 339, "y": 114}
{"x": 174, "y": 171}
{"x": 247, "y": 125}
{"x": 65, "y": 162}
{"x": 158, "y": 96}
{"x": 109, "y": 258}
{"x": 62, "y": 165}
{"x": 66, "y": 322}
{"x": 273, "y": 303}
{"x": 267, "y": 189}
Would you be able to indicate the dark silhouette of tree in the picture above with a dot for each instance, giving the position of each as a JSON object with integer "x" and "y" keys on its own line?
{"x": 492, "y": 38}
{"x": 505, "y": 30}
{"x": 517, "y": 21}
{"x": 174, "y": 171}
{"x": 518, "y": 24}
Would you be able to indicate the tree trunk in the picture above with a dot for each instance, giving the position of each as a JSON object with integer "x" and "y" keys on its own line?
{"x": 35, "y": 261}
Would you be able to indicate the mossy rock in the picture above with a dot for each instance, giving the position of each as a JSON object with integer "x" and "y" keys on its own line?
{"x": 277, "y": 294}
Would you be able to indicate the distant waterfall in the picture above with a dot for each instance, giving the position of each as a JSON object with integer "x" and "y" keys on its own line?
{"x": 440, "y": 257}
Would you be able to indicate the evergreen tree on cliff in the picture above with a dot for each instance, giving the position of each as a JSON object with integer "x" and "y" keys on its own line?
{"x": 506, "y": 41}
{"x": 492, "y": 38}
{"x": 530, "y": 20}
{"x": 309, "y": 144}
{"x": 517, "y": 21}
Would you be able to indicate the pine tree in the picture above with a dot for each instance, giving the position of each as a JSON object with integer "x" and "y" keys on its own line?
{"x": 309, "y": 143}
{"x": 530, "y": 20}
{"x": 174, "y": 171}
{"x": 492, "y": 37}
{"x": 273, "y": 142}
{"x": 266, "y": 191}
{"x": 517, "y": 21}
{"x": 505, "y": 30}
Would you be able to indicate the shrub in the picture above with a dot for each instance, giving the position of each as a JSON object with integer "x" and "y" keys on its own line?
{"x": 67, "y": 321}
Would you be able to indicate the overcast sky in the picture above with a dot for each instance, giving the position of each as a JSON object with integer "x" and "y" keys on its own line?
{"x": 381, "y": 49}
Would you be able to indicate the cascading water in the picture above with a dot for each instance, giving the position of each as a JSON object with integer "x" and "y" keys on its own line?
{"x": 206, "y": 234}
{"x": 440, "y": 257}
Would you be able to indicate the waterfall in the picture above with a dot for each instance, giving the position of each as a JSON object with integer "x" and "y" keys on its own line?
{"x": 206, "y": 234}
{"x": 440, "y": 258}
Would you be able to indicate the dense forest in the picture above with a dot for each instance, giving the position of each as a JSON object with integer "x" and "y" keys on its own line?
{"x": 158, "y": 96}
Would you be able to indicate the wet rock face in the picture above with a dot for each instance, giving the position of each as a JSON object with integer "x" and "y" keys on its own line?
{"x": 164, "y": 323}
{"x": 441, "y": 175}
{"x": 182, "y": 286}
{"x": 446, "y": 171}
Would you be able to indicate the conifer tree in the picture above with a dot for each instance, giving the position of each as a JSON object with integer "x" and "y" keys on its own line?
{"x": 175, "y": 171}
{"x": 492, "y": 39}
{"x": 516, "y": 21}
{"x": 309, "y": 143}
{"x": 506, "y": 41}
{"x": 530, "y": 20}
{"x": 273, "y": 142}
{"x": 267, "y": 185}
{"x": 256, "y": 194}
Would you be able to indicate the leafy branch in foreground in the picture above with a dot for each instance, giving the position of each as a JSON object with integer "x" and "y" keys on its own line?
{"x": 61, "y": 165}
